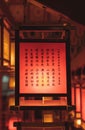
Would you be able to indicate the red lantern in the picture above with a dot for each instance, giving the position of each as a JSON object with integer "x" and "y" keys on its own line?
{"x": 73, "y": 87}
{"x": 83, "y": 103}
{"x": 78, "y": 100}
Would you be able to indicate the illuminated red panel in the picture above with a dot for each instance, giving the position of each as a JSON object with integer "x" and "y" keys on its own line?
{"x": 78, "y": 108}
{"x": 83, "y": 104}
{"x": 42, "y": 68}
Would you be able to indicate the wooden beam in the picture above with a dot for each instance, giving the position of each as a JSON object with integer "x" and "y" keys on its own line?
{"x": 6, "y": 13}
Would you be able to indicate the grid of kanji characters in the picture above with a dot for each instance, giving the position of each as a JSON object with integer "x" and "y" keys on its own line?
{"x": 41, "y": 64}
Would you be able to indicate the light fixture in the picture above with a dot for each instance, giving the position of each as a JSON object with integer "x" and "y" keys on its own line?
{"x": 77, "y": 123}
{"x": 6, "y": 1}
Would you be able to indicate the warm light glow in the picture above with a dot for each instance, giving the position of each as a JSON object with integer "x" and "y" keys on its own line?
{"x": 6, "y": 0}
{"x": 78, "y": 105}
{"x": 65, "y": 24}
{"x": 12, "y": 82}
{"x": 83, "y": 104}
{"x": 5, "y": 63}
{"x": 78, "y": 115}
{"x": 12, "y": 53}
{"x": 47, "y": 98}
{"x": 43, "y": 68}
{"x": 10, "y": 123}
{"x": 78, "y": 121}
{"x": 6, "y": 44}
{"x": 11, "y": 101}
{"x": 48, "y": 118}
{"x": 83, "y": 125}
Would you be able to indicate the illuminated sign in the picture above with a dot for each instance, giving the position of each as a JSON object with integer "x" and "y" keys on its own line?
{"x": 42, "y": 68}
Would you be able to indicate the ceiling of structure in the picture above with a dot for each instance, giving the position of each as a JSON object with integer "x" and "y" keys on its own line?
{"x": 72, "y": 8}
{"x": 19, "y": 9}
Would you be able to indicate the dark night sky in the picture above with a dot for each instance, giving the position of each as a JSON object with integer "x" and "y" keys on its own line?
{"x": 75, "y": 9}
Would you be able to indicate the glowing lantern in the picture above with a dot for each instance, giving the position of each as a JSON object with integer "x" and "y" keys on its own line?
{"x": 6, "y": 46}
{"x": 78, "y": 105}
{"x": 12, "y": 53}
